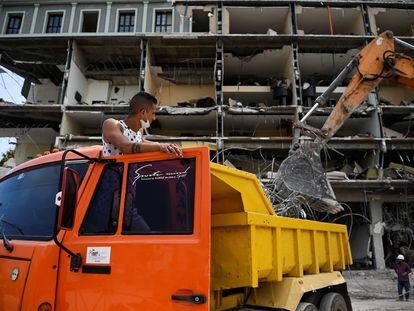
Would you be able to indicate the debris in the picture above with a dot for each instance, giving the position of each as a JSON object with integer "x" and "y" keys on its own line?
{"x": 403, "y": 167}
{"x": 391, "y": 133}
{"x": 302, "y": 176}
{"x": 370, "y": 173}
{"x": 235, "y": 103}
{"x": 271, "y": 32}
{"x": 205, "y": 102}
{"x": 184, "y": 110}
{"x": 337, "y": 175}
{"x": 403, "y": 171}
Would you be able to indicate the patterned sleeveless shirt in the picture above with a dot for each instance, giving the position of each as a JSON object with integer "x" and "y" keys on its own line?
{"x": 111, "y": 150}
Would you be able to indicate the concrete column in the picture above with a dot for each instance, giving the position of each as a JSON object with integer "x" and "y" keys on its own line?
{"x": 181, "y": 23}
{"x": 108, "y": 16}
{"x": 72, "y": 17}
{"x": 36, "y": 11}
{"x": 377, "y": 231}
{"x": 144, "y": 17}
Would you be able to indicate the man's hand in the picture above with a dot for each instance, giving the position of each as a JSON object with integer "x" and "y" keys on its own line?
{"x": 171, "y": 149}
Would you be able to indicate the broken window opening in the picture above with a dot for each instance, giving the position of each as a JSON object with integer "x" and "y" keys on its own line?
{"x": 261, "y": 20}
{"x": 14, "y": 23}
{"x": 398, "y": 124}
{"x": 184, "y": 123}
{"x": 163, "y": 21}
{"x": 363, "y": 123}
{"x": 258, "y": 78}
{"x": 256, "y": 125}
{"x": 184, "y": 78}
{"x": 201, "y": 21}
{"x": 399, "y": 164}
{"x": 90, "y": 21}
{"x": 54, "y": 23}
{"x": 343, "y": 163}
{"x": 318, "y": 70}
{"x": 330, "y": 21}
{"x": 395, "y": 95}
{"x": 126, "y": 22}
{"x": 400, "y": 22}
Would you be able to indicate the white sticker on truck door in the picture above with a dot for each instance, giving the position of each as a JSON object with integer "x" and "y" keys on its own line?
{"x": 98, "y": 255}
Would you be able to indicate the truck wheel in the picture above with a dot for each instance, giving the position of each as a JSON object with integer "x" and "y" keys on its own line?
{"x": 333, "y": 302}
{"x": 306, "y": 306}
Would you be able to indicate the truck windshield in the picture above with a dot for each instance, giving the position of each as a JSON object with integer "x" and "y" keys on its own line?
{"x": 27, "y": 202}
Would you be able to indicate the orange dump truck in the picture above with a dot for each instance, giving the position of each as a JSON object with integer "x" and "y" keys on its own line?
{"x": 152, "y": 232}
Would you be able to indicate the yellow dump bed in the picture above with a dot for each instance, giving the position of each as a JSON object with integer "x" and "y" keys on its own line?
{"x": 250, "y": 244}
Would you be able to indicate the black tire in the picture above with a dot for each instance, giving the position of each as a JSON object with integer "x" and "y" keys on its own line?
{"x": 333, "y": 302}
{"x": 306, "y": 306}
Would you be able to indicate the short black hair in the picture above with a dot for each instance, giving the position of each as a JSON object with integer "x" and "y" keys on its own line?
{"x": 141, "y": 100}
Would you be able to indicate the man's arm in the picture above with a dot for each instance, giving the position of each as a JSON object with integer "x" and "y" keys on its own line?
{"x": 112, "y": 134}
{"x": 409, "y": 269}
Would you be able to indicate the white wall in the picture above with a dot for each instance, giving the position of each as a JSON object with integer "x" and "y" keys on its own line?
{"x": 77, "y": 81}
{"x": 124, "y": 94}
{"x": 97, "y": 91}
{"x": 44, "y": 94}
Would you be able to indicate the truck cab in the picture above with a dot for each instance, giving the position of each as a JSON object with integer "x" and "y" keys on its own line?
{"x": 153, "y": 232}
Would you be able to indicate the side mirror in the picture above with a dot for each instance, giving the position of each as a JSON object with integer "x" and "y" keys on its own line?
{"x": 68, "y": 200}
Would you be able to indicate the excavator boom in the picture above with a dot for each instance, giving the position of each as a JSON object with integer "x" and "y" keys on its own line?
{"x": 302, "y": 174}
{"x": 374, "y": 63}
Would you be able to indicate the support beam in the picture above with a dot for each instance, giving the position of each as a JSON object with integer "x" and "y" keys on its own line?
{"x": 66, "y": 73}
{"x": 365, "y": 17}
{"x": 219, "y": 76}
{"x": 108, "y": 16}
{"x": 144, "y": 17}
{"x": 377, "y": 230}
{"x": 142, "y": 65}
{"x": 34, "y": 19}
{"x": 72, "y": 17}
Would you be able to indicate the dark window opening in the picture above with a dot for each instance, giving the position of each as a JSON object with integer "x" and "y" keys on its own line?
{"x": 54, "y": 23}
{"x": 14, "y": 24}
{"x": 163, "y": 21}
{"x": 160, "y": 197}
{"x": 126, "y": 22}
{"x": 90, "y": 21}
{"x": 200, "y": 21}
{"x": 103, "y": 211}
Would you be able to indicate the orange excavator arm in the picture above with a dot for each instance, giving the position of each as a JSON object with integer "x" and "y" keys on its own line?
{"x": 374, "y": 63}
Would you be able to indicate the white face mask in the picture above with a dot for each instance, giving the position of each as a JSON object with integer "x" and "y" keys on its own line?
{"x": 145, "y": 124}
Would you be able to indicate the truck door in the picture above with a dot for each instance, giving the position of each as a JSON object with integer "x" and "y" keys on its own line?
{"x": 144, "y": 236}
{"x": 28, "y": 265}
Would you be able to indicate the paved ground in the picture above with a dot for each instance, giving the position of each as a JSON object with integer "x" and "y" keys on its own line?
{"x": 376, "y": 290}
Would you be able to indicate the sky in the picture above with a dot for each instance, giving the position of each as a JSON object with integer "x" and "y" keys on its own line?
{"x": 10, "y": 86}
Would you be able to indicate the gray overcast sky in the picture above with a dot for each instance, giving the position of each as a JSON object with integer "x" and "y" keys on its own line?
{"x": 10, "y": 86}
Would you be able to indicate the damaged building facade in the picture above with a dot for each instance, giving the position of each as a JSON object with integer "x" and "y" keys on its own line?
{"x": 231, "y": 75}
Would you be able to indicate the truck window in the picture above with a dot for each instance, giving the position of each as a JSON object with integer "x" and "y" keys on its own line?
{"x": 81, "y": 167}
{"x": 160, "y": 197}
{"x": 103, "y": 211}
{"x": 27, "y": 201}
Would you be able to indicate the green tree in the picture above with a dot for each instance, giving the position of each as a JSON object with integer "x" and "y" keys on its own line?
{"x": 6, "y": 156}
